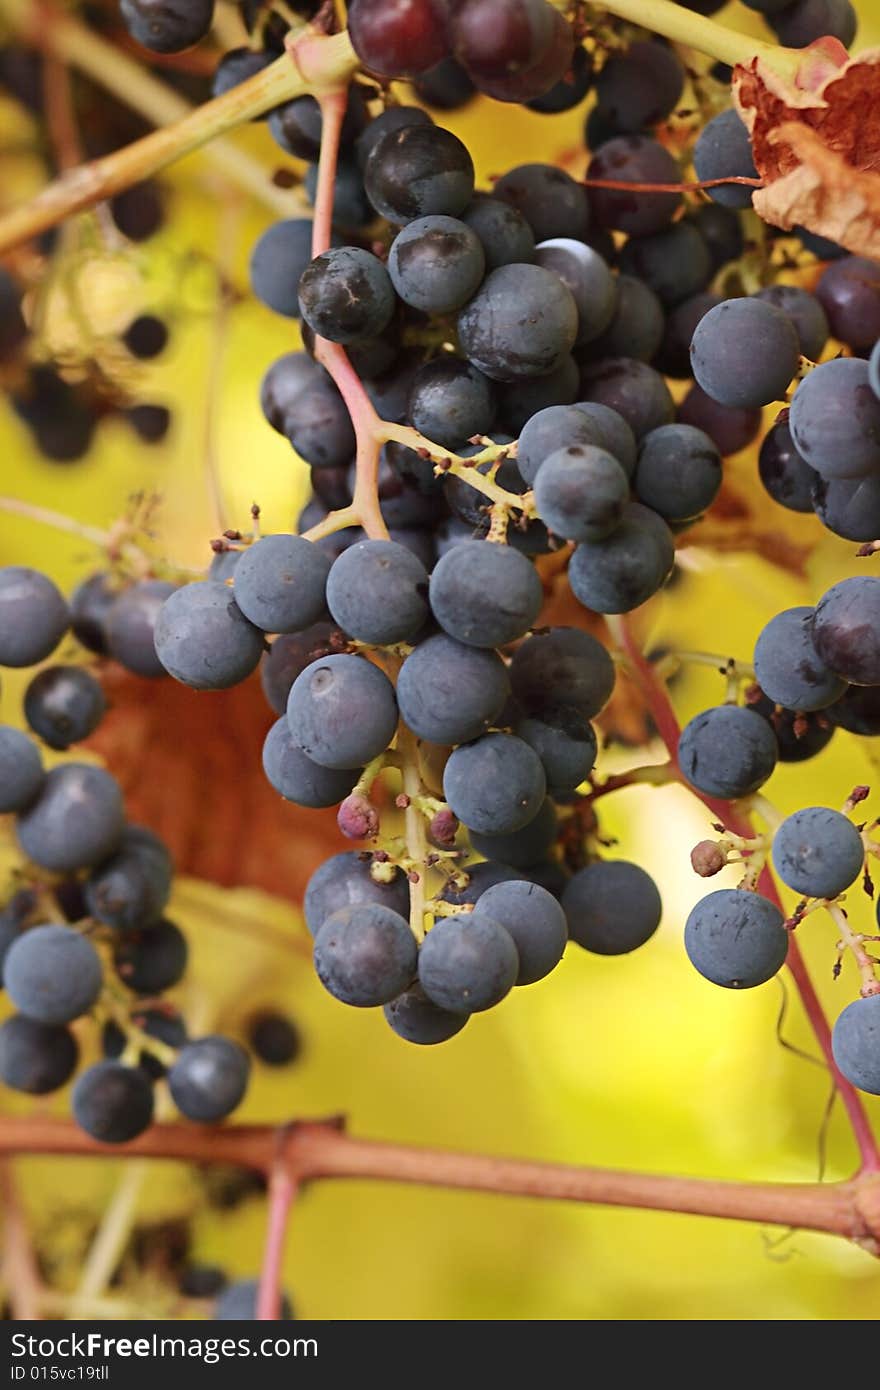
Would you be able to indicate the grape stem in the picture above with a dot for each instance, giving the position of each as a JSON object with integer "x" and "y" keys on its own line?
{"x": 80, "y": 188}
{"x": 852, "y": 941}
{"x": 665, "y": 719}
{"x": 320, "y": 63}
{"x": 282, "y": 1191}
{"x": 313, "y": 1150}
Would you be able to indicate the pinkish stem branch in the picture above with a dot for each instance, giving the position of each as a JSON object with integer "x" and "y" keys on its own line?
{"x": 367, "y": 426}
{"x": 282, "y": 1190}
{"x": 664, "y": 716}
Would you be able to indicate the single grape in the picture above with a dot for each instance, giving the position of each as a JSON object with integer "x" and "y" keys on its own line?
{"x": 745, "y": 352}
{"x": 581, "y": 492}
{"x": 640, "y": 160}
{"x": 63, "y": 705}
{"x": 856, "y": 1043}
{"x": 159, "y": 1023}
{"x": 806, "y": 313}
{"x": 731, "y": 427}
{"x": 541, "y": 77}
{"x": 446, "y": 86}
{"x": 167, "y": 26}
{"x": 131, "y": 626}
{"x": 553, "y": 204}
{"x": 736, "y": 939}
{"x": 400, "y": 39}
{"x": 678, "y": 474}
{"x": 449, "y": 693}
{"x": 131, "y": 889}
{"x": 835, "y": 419}
{"x": 351, "y": 206}
{"x": 612, "y": 907}
{"x": 799, "y": 736}
{"x": 675, "y": 263}
{"x": 520, "y": 399}
{"x": 535, "y": 921}
{"x": 76, "y": 821}
{"x": 238, "y": 1303}
{"x": 52, "y": 974}
{"x": 113, "y": 1103}
{"x": 392, "y": 118}
{"x": 297, "y": 125}
{"x": 90, "y": 606}
{"x": 21, "y": 770}
{"x": 450, "y": 401}
{"x": 521, "y": 849}
{"x": 274, "y": 1038}
{"x": 788, "y": 667}
{"x": 505, "y": 235}
{"x": 209, "y": 1078}
{"x": 139, "y": 211}
{"x": 485, "y": 595}
{"x": 344, "y": 880}
{"x": 151, "y": 959}
{"x": 724, "y": 150}
{"x": 805, "y": 21}
{"x": 277, "y": 262}
{"x": 846, "y": 630}
{"x": 365, "y": 955}
{"x": 280, "y": 583}
{"x": 626, "y": 568}
{"x": 565, "y": 743}
{"x": 522, "y": 322}
{"x": 468, "y": 963}
{"x": 342, "y": 711}
{"x": 721, "y": 230}
{"x": 554, "y": 428}
{"x": 570, "y": 90}
{"x": 817, "y": 852}
{"x": 562, "y": 666}
{"x": 35, "y": 1057}
{"x": 296, "y": 777}
{"x": 414, "y": 1018}
{"x": 150, "y": 422}
{"x": 418, "y": 171}
{"x": 236, "y": 66}
{"x": 499, "y": 38}
{"x": 786, "y": 476}
{"x": 495, "y": 784}
{"x": 614, "y": 434}
{"x": 146, "y": 337}
{"x": 633, "y": 389}
{"x": 727, "y": 751}
{"x": 436, "y": 264}
{"x": 639, "y": 86}
{"x": 583, "y": 271}
{"x": 204, "y": 640}
{"x": 858, "y": 711}
{"x": 33, "y": 616}
{"x": 346, "y": 294}
{"x": 376, "y": 591}
{"x": 636, "y": 327}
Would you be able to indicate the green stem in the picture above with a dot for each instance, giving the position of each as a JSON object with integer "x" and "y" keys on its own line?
{"x": 706, "y": 35}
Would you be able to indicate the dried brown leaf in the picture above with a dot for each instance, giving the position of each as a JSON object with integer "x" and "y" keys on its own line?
{"x": 818, "y": 151}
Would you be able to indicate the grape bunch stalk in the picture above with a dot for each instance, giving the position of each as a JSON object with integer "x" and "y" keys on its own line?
{"x": 501, "y": 396}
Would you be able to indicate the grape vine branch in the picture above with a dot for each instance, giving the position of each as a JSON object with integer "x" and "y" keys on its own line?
{"x": 320, "y": 63}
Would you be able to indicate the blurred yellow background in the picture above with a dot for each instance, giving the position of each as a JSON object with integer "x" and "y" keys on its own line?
{"x": 635, "y": 1062}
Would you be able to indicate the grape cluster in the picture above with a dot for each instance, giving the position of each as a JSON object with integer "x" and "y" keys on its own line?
{"x": 84, "y": 933}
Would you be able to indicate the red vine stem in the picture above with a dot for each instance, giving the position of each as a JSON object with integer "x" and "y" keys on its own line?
{"x": 694, "y": 186}
{"x": 316, "y": 1150}
{"x": 665, "y": 718}
{"x": 366, "y": 423}
{"x": 282, "y": 1190}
